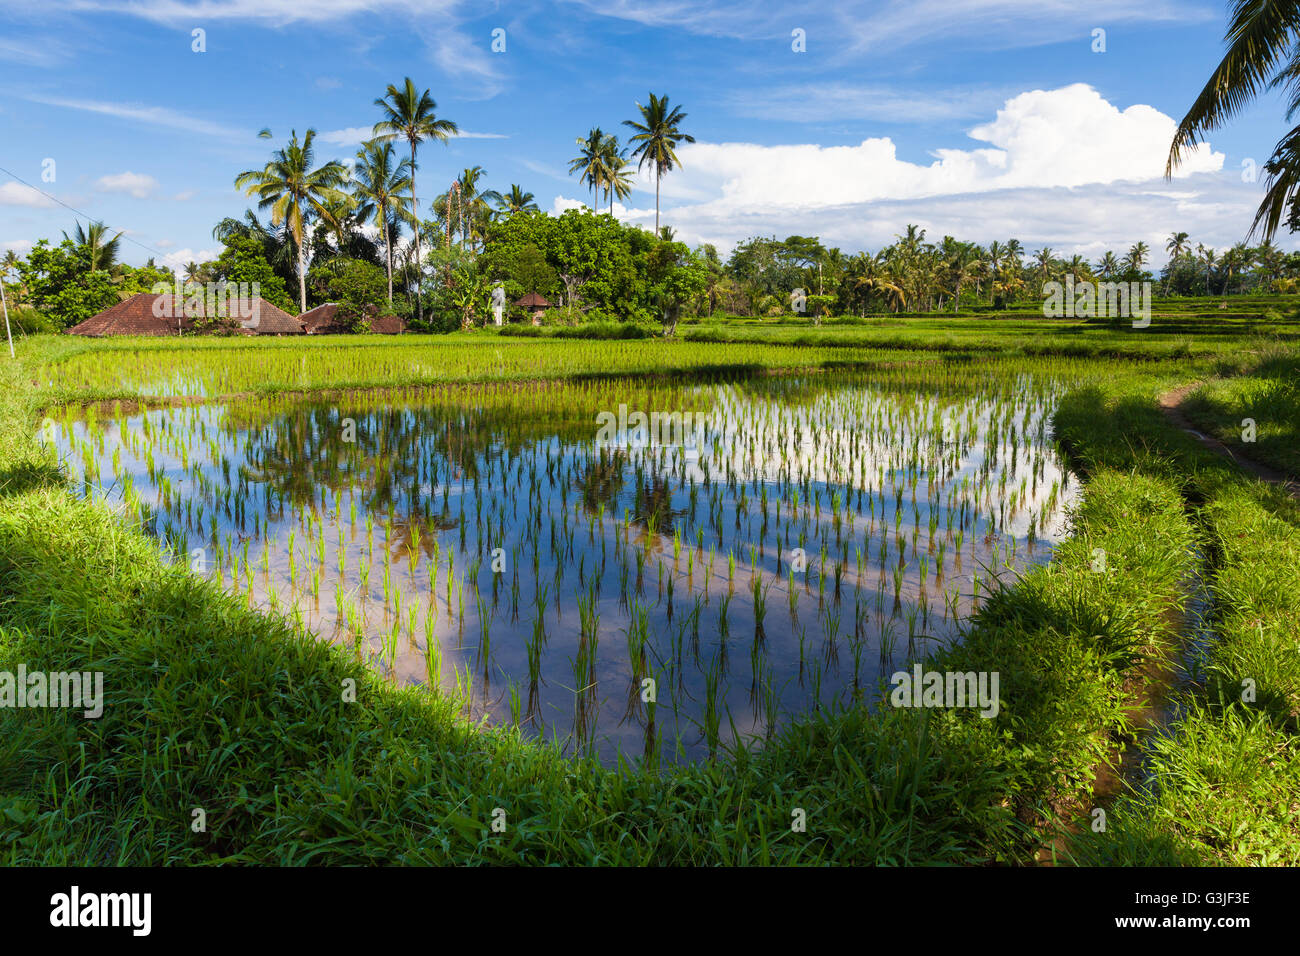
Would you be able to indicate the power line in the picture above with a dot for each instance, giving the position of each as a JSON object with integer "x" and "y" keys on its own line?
{"x": 88, "y": 217}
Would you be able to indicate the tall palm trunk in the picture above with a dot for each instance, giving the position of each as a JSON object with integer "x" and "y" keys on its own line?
{"x": 388, "y": 250}
{"x": 656, "y": 199}
{"x": 415, "y": 211}
{"x": 302, "y": 276}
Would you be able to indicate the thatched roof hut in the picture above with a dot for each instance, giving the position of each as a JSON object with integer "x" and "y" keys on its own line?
{"x": 533, "y": 301}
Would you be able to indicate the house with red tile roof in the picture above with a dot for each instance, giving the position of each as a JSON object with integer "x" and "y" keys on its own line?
{"x": 149, "y": 313}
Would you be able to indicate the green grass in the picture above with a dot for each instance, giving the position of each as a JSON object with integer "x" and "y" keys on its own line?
{"x": 212, "y": 706}
{"x": 1220, "y": 787}
{"x": 1269, "y": 396}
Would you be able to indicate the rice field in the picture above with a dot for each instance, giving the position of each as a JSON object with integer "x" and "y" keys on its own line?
{"x": 551, "y": 562}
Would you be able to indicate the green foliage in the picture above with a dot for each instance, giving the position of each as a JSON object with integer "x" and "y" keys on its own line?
{"x": 60, "y": 283}
{"x": 353, "y": 282}
{"x": 244, "y": 260}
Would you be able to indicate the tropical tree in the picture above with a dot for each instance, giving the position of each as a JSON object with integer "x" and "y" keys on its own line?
{"x": 618, "y": 171}
{"x": 1137, "y": 257}
{"x": 589, "y": 164}
{"x": 1210, "y": 259}
{"x": 295, "y": 190}
{"x": 1108, "y": 266}
{"x": 1262, "y": 39}
{"x": 1177, "y": 245}
{"x": 94, "y": 243}
{"x": 516, "y": 200}
{"x": 380, "y": 181}
{"x": 412, "y": 116}
{"x": 657, "y": 135}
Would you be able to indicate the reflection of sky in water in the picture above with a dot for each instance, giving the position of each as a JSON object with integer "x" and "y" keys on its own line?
{"x": 573, "y": 521}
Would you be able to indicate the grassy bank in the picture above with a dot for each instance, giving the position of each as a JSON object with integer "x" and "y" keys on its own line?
{"x": 1256, "y": 411}
{"x": 1220, "y": 786}
{"x": 216, "y": 708}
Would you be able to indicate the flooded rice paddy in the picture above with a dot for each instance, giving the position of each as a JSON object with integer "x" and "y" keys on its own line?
{"x": 655, "y": 587}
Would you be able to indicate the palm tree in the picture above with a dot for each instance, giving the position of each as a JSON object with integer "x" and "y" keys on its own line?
{"x": 1261, "y": 55}
{"x": 380, "y": 183}
{"x": 473, "y": 202}
{"x": 412, "y": 117}
{"x": 1177, "y": 245}
{"x": 1137, "y": 257}
{"x": 295, "y": 190}
{"x": 516, "y": 201}
{"x": 1044, "y": 259}
{"x": 589, "y": 164}
{"x": 1108, "y": 266}
{"x": 1208, "y": 256}
{"x": 618, "y": 171}
{"x": 657, "y": 137}
{"x": 101, "y": 251}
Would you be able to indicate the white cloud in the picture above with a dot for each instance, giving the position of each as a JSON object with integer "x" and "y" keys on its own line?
{"x": 17, "y": 245}
{"x": 348, "y": 136}
{"x": 356, "y": 135}
{"x": 1062, "y": 167}
{"x": 152, "y": 115}
{"x": 851, "y": 26}
{"x": 137, "y": 185}
{"x": 177, "y": 260}
{"x": 838, "y": 101}
{"x": 1044, "y": 138}
{"x": 563, "y": 204}
{"x": 16, "y": 194}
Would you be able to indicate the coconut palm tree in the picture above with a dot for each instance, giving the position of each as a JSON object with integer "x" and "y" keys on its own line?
{"x": 380, "y": 181}
{"x": 1044, "y": 259}
{"x": 1108, "y": 266}
{"x": 1137, "y": 257}
{"x": 658, "y": 134}
{"x": 93, "y": 240}
{"x": 295, "y": 190}
{"x": 412, "y": 116}
{"x": 618, "y": 171}
{"x": 589, "y": 164}
{"x": 1210, "y": 258}
{"x": 1262, "y": 55}
{"x": 516, "y": 201}
{"x": 474, "y": 203}
{"x": 1177, "y": 244}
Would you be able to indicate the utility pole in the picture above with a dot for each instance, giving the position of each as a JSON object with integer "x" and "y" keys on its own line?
{"x": 5, "y": 303}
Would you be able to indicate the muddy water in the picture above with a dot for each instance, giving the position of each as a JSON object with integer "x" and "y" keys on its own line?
{"x": 659, "y": 594}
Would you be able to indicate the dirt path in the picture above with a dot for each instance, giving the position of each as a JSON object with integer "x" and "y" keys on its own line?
{"x": 1171, "y": 405}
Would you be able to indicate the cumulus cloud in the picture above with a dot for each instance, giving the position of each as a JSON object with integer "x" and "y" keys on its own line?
{"x": 177, "y": 260}
{"x": 137, "y": 185}
{"x": 1044, "y": 138}
{"x": 1060, "y": 167}
{"x": 16, "y": 194}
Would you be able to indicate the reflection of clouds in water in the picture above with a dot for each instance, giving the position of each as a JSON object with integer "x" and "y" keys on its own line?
{"x": 265, "y": 468}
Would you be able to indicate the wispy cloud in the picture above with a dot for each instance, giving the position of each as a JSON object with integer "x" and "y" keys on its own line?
{"x": 42, "y": 51}
{"x": 436, "y": 22}
{"x": 137, "y": 185}
{"x": 355, "y": 135}
{"x": 833, "y": 101}
{"x": 856, "y": 25}
{"x": 140, "y": 113}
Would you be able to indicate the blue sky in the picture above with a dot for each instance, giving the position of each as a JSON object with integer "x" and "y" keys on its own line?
{"x": 984, "y": 119}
